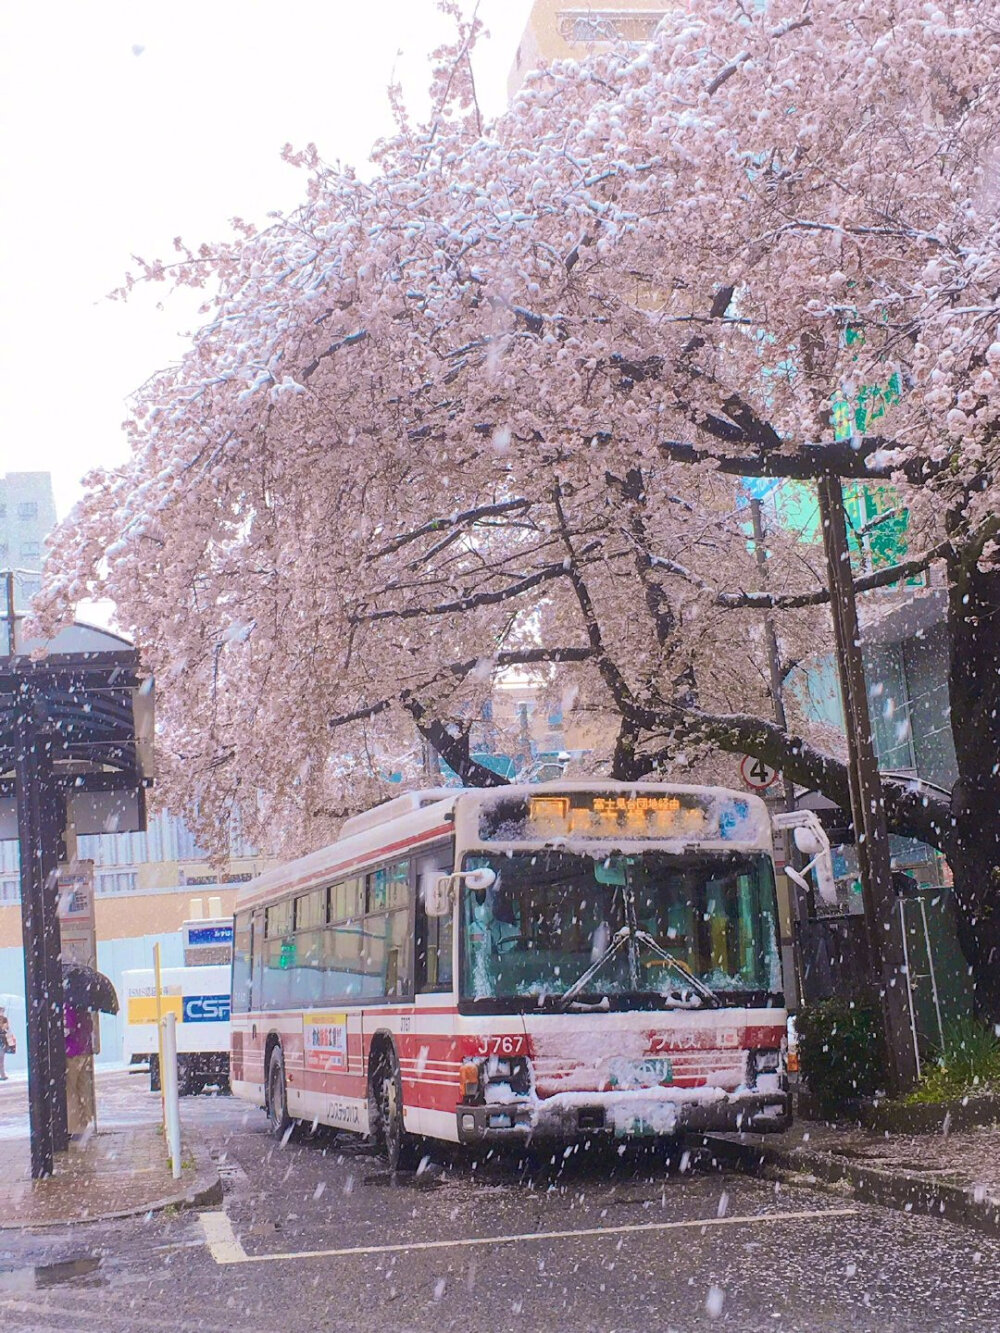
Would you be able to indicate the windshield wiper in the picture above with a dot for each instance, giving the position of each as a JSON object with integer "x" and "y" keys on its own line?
{"x": 696, "y": 984}
{"x": 623, "y": 939}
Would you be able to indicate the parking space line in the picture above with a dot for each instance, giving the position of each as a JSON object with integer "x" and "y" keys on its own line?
{"x": 223, "y": 1244}
{"x": 225, "y": 1247}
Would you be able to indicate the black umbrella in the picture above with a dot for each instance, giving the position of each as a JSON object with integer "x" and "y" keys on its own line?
{"x": 86, "y": 988}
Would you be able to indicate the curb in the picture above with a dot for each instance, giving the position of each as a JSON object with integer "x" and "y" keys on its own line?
{"x": 931, "y": 1117}
{"x": 204, "y": 1191}
{"x": 901, "y": 1190}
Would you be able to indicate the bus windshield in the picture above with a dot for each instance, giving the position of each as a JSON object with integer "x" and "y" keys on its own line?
{"x": 639, "y": 924}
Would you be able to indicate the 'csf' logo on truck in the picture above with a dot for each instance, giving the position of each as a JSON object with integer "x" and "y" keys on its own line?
{"x": 206, "y": 1009}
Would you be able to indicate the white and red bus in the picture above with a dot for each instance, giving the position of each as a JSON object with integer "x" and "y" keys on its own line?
{"x": 560, "y": 961}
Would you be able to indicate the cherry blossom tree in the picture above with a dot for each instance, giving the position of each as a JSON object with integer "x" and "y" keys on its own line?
{"x": 486, "y": 409}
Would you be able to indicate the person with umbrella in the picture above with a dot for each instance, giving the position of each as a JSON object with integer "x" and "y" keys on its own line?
{"x": 80, "y": 1104}
{"x": 7, "y": 1042}
{"x": 84, "y": 990}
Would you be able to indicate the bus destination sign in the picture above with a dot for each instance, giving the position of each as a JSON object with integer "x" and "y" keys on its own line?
{"x": 633, "y": 816}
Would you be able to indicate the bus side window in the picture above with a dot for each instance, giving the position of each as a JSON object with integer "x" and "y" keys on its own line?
{"x": 434, "y": 933}
{"x": 387, "y": 957}
{"x": 279, "y": 956}
{"x": 241, "y": 963}
{"x": 256, "y": 959}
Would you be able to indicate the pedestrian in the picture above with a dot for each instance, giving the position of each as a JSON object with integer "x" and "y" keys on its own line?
{"x": 7, "y": 1042}
{"x": 80, "y": 1109}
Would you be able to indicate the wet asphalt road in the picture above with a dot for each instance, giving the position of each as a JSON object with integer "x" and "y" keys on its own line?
{"x": 653, "y": 1247}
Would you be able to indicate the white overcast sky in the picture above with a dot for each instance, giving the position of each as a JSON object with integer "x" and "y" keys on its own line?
{"x": 123, "y": 125}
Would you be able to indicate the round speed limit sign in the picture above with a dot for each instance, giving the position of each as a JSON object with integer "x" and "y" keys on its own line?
{"x": 756, "y": 774}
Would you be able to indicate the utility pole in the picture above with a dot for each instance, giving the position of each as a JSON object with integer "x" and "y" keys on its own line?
{"x": 771, "y": 639}
{"x": 804, "y": 903}
{"x": 867, "y": 804}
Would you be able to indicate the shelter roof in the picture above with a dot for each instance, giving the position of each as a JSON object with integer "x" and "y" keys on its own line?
{"x": 89, "y": 700}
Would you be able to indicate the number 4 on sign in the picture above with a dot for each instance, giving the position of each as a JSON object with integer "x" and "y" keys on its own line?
{"x": 756, "y": 774}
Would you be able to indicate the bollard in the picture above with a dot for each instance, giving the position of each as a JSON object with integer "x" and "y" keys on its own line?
{"x": 171, "y": 1095}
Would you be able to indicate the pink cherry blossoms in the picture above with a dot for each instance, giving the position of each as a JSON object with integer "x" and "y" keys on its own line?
{"x": 468, "y": 414}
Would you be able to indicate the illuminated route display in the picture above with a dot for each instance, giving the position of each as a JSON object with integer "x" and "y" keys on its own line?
{"x": 603, "y": 817}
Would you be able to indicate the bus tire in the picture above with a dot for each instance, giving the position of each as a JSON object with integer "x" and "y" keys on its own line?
{"x": 277, "y": 1096}
{"x": 402, "y": 1149}
{"x": 187, "y": 1084}
{"x": 154, "y": 1073}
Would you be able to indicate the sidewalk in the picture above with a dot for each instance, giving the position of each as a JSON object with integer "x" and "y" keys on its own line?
{"x": 955, "y": 1175}
{"x": 118, "y": 1171}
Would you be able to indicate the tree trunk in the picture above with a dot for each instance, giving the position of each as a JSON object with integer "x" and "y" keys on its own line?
{"x": 973, "y": 844}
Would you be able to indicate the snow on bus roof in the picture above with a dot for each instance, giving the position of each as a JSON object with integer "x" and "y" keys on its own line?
{"x": 384, "y": 830}
{"x": 400, "y": 823}
{"x": 394, "y": 809}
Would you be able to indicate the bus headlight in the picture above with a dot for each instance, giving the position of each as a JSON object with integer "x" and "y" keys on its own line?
{"x": 766, "y": 1070}
{"x": 505, "y": 1076}
{"x": 469, "y": 1077}
{"x": 513, "y": 1071}
{"x": 767, "y": 1062}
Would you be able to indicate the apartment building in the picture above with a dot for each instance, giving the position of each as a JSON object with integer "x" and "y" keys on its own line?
{"x": 556, "y": 30}
{"x": 27, "y": 516}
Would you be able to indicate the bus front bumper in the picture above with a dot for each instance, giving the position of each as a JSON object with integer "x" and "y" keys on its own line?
{"x": 621, "y": 1115}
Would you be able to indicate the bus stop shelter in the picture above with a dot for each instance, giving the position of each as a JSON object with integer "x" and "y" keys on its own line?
{"x": 76, "y": 721}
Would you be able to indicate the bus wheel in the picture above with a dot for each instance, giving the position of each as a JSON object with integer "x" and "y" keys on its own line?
{"x": 277, "y": 1096}
{"x": 187, "y": 1084}
{"x": 402, "y": 1149}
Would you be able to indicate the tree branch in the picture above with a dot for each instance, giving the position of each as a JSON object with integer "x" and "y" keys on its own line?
{"x": 452, "y": 521}
{"x": 610, "y": 674}
{"x": 452, "y": 744}
{"x": 911, "y": 811}
{"x": 498, "y": 661}
{"x": 473, "y": 600}
{"x": 837, "y": 458}
{"x": 882, "y": 578}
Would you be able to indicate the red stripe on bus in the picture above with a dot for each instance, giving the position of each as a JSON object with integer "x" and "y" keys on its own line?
{"x": 375, "y": 854}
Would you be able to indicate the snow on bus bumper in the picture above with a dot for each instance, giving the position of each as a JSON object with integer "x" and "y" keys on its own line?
{"x": 625, "y": 1114}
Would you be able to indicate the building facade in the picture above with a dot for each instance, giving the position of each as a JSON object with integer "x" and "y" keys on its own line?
{"x": 556, "y": 30}
{"x": 27, "y": 516}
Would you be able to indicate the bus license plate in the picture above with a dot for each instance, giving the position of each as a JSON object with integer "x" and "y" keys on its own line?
{"x": 630, "y": 1075}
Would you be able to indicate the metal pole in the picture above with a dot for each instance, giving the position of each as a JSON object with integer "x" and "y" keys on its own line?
{"x": 40, "y": 928}
{"x": 909, "y": 988}
{"x": 53, "y": 818}
{"x": 804, "y": 900}
{"x": 773, "y": 657}
{"x": 930, "y": 965}
{"x": 9, "y": 611}
{"x": 159, "y": 1029}
{"x": 171, "y": 1095}
{"x": 867, "y": 804}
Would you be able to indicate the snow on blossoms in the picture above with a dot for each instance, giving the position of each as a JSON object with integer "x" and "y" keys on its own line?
{"x": 489, "y": 406}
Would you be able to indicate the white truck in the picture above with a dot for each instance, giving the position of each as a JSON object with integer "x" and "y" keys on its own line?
{"x": 198, "y": 994}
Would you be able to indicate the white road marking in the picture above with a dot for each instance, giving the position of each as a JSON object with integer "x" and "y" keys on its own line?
{"x": 223, "y": 1244}
{"x": 225, "y": 1248}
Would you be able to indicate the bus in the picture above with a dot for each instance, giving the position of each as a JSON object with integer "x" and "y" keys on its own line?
{"x": 198, "y": 994}
{"x": 561, "y": 961}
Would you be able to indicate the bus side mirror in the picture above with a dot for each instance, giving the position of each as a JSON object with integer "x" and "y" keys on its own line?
{"x": 826, "y": 885}
{"x": 812, "y": 840}
{"x": 438, "y": 894}
{"x": 480, "y": 880}
{"x": 806, "y": 840}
